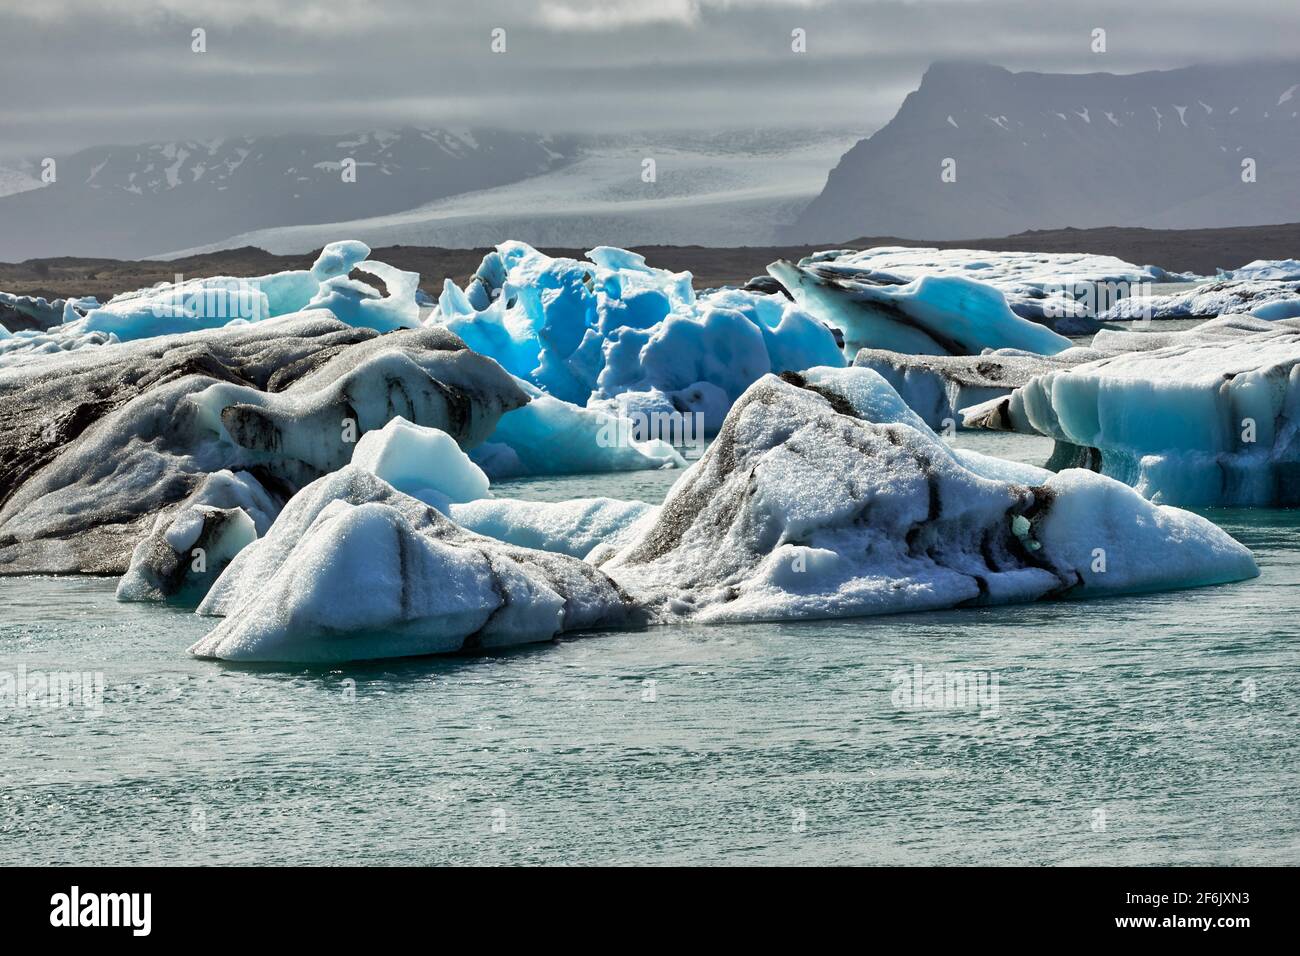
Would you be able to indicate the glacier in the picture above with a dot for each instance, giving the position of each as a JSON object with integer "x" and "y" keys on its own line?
{"x": 825, "y": 496}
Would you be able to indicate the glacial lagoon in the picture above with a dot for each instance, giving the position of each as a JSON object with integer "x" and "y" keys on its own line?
{"x": 1152, "y": 729}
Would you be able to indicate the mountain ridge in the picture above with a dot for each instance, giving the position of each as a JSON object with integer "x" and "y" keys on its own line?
{"x": 1048, "y": 150}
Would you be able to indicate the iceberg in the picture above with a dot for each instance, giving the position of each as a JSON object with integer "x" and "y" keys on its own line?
{"x": 825, "y": 496}
{"x": 100, "y": 442}
{"x": 577, "y": 528}
{"x": 197, "y": 304}
{"x": 190, "y": 305}
{"x": 1264, "y": 299}
{"x": 190, "y": 547}
{"x": 1065, "y": 291}
{"x": 1207, "y": 416}
{"x": 549, "y": 436}
{"x": 354, "y": 569}
{"x": 1012, "y": 271}
{"x": 29, "y": 343}
{"x": 314, "y": 426}
{"x": 25, "y": 313}
{"x": 930, "y": 315}
{"x": 423, "y": 462}
{"x": 360, "y": 303}
{"x": 586, "y": 332}
{"x": 938, "y": 387}
{"x": 1276, "y": 269}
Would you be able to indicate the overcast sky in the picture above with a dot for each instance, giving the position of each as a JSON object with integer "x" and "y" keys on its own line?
{"x": 76, "y": 73}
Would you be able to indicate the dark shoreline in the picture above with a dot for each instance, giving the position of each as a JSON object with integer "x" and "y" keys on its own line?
{"x": 1178, "y": 250}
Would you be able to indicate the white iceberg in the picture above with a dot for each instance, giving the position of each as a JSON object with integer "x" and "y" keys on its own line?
{"x": 361, "y": 304}
{"x": 1016, "y": 272}
{"x": 577, "y": 528}
{"x": 190, "y": 546}
{"x": 1261, "y": 298}
{"x": 1276, "y": 269}
{"x": 353, "y": 570}
{"x": 1065, "y": 291}
{"x": 421, "y": 461}
{"x": 27, "y": 345}
{"x": 825, "y": 496}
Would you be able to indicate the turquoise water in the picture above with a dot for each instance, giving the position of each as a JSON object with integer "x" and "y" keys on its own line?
{"x": 1143, "y": 730}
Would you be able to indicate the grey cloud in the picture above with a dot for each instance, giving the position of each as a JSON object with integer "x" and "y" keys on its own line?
{"x": 83, "y": 73}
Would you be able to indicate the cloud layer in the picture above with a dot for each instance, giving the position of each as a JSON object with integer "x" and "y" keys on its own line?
{"x": 82, "y": 72}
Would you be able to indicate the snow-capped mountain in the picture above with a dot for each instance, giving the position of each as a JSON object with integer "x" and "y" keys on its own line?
{"x": 134, "y": 201}
{"x": 711, "y": 189}
{"x": 1041, "y": 151}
